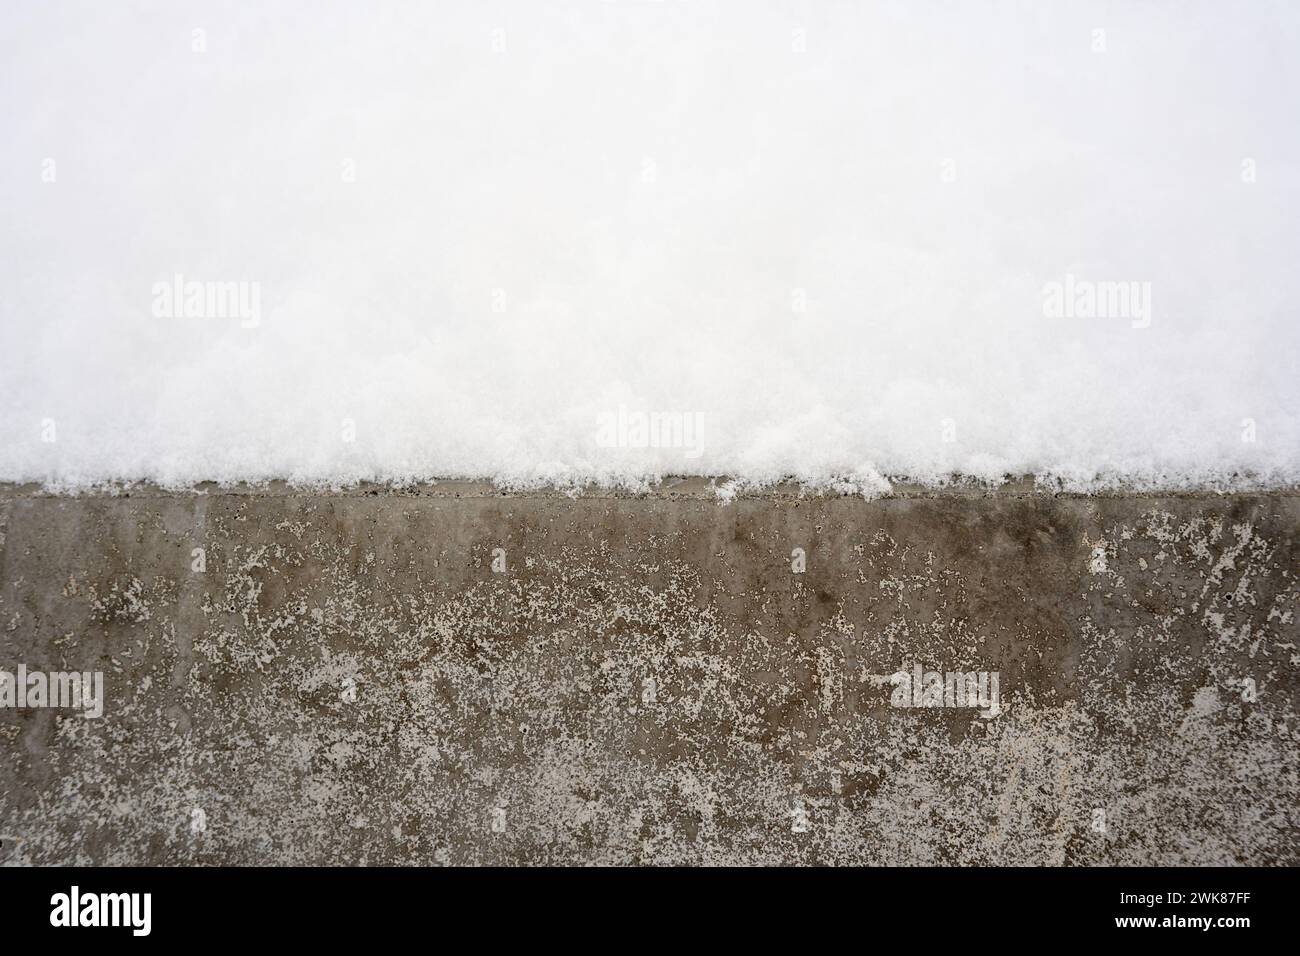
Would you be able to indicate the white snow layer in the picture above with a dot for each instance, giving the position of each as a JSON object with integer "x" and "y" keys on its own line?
{"x": 609, "y": 241}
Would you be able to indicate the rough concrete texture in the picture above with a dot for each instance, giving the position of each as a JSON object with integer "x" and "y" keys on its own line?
{"x": 648, "y": 680}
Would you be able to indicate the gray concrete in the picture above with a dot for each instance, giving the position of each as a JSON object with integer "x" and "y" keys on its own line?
{"x": 348, "y": 680}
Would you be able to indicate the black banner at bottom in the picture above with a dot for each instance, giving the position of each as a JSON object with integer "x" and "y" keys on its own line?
{"x": 963, "y": 907}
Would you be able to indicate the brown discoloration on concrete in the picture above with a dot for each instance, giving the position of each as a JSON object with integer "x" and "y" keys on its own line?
{"x": 649, "y": 681}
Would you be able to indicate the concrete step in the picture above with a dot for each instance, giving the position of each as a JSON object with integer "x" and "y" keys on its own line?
{"x": 453, "y": 675}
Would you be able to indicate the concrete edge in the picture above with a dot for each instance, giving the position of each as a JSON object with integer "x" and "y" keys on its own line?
{"x": 708, "y": 488}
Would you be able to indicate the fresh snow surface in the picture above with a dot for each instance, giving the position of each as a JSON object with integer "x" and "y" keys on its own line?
{"x": 609, "y": 240}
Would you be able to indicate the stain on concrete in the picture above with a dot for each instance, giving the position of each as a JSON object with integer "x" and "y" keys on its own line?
{"x": 366, "y": 678}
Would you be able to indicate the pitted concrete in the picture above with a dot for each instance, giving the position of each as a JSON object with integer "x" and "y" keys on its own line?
{"x": 364, "y": 678}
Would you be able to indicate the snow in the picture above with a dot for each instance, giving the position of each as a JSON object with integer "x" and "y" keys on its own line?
{"x": 558, "y": 243}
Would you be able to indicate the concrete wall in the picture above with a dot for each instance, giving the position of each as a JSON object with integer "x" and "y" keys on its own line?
{"x": 649, "y": 680}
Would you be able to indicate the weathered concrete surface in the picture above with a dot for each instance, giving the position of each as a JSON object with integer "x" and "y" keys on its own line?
{"x": 509, "y": 717}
